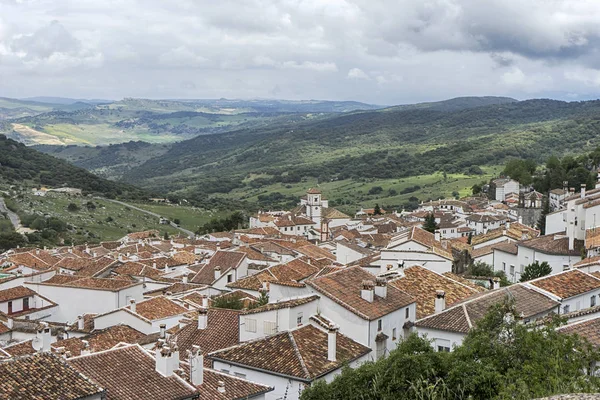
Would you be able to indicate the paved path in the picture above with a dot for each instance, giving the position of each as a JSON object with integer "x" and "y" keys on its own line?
{"x": 14, "y": 218}
{"x": 173, "y": 224}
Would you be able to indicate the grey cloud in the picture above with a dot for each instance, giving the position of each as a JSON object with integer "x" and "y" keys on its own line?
{"x": 46, "y": 41}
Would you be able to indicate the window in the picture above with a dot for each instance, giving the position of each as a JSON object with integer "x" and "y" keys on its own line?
{"x": 240, "y": 375}
{"x": 566, "y": 309}
{"x": 565, "y": 267}
{"x": 229, "y": 278}
{"x": 250, "y": 324}
{"x": 10, "y": 307}
{"x": 26, "y": 303}
{"x": 504, "y": 267}
{"x": 407, "y": 313}
{"x": 512, "y": 270}
{"x": 225, "y": 371}
{"x": 394, "y": 334}
{"x": 299, "y": 319}
{"x": 269, "y": 328}
{"x": 593, "y": 301}
{"x": 443, "y": 349}
{"x": 379, "y": 325}
{"x": 442, "y": 345}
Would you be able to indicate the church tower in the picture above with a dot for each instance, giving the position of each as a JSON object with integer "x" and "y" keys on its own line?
{"x": 314, "y": 205}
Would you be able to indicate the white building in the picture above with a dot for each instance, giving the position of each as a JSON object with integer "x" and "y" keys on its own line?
{"x": 504, "y": 187}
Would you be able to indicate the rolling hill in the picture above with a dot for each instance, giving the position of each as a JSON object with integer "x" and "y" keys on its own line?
{"x": 25, "y": 166}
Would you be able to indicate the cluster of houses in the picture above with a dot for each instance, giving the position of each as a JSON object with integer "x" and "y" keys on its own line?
{"x": 264, "y": 312}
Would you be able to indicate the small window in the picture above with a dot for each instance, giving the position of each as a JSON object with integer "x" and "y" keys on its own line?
{"x": 26, "y": 303}
{"x": 379, "y": 324}
{"x": 299, "y": 319}
{"x": 443, "y": 349}
{"x": 512, "y": 270}
{"x": 269, "y": 328}
{"x": 407, "y": 313}
{"x": 566, "y": 309}
{"x": 593, "y": 301}
{"x": 225, "y": 371}
{"x": 565, "y": 267}
{"x": 504, "y": 267}
{"x": 240, "y": 375}
{"x": 250, "y": 324}
{"x": 229, "y": 278}
{"x": 394, "y": 334}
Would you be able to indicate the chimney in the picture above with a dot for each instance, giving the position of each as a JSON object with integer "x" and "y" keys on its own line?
{"x": 86, "y": 348}
{"x": 154, "y": 265}
{"x": 495, "y": 283}
{"x": 520, "y": 220}
{"x": 217, "y": 272}
{"x": 202, "y": 318}
{"x": 164, "y": 360}
{"x": 331, "y": 342}
{"x": 221, "y": 386}
{"x": 583, "y": 190}
{"x": 367, "y": 292}
{"x": 598, "y": 180}
{"x": 43, "y": 337}
{"x": 185, "y": 278}
{"x": 132, "y": 305}
{"x": 9, "y": 323}
{"x": 507, "y": 225}
{"x": 80, "y": 323}
{"x": 381, "y": 287}
{"x": 440, "y": 301}
{"x": 163, "y": 331}
{"x": 571, "y": 235}
{"x": 437, "y": 236}
{"x": 196, "y": 360}
{"x": 205, "y": 301}
{"x": 571, "y": 191}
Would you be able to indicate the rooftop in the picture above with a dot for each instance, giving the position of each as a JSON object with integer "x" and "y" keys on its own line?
{"x": 567, "y": 284}
{"x": 299, "y": 353}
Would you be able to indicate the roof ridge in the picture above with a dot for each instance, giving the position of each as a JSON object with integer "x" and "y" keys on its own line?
{"x": 297, "y": 351}
{"x": 464, "y": 306}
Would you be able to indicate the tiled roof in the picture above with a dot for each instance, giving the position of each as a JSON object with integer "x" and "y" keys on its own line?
{"x": 235, "y": 388}
{"x": 222, "y": 331}
{"x": 283, "y": 304}
{"x": 101, "y": 340}
{"x": 592, "y": 238}
{"x": 23, "y": 348}
{"x": 134, "y": 268}
{"x": 332, "y": 213}
{"x": 158, "y": 308}
{"x": 144, "y": 234}
{"x": 129, "y": 373}
{"x": 587, "y": 261}
{"x": 464, "y": 315}
{"x": 88, "y": 283}
{"x": 28, "y": 260}
{"x": 507, "y": 247}
{"x": 175, "y": 288}
{"x": 588, "y": 329}
{"x": 315, "y": 252}
{"x": 465, "y": 282}
{"x": 554, "y": 244}
{"x": 254, "y": 254}
{"x": 423, "y": 284}
{"x": 567, "y": 284}
{"x": 43, "y": 377}
{"x": 344, "y": 287}
{"x": 299, "y": 353}
{"x": 485, "y": 250}
{"x": 14, "y": 293}
{"x": 226, "y": 260}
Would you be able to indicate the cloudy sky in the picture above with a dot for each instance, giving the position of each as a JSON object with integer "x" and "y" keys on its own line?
{"x": 378, "y": 51}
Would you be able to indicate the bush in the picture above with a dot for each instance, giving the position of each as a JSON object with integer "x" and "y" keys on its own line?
{"x": 375, "y": 190}
{"x": 72, "y": 207}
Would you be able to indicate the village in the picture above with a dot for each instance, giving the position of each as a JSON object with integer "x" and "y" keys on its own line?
{"x": 264, "y": 312}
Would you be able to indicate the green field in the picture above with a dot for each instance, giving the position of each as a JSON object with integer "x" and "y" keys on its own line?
{"x": 350, "y": 195}
{"x": 191, "y": 217}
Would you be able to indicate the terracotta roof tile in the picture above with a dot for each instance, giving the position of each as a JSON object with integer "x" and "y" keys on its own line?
{"x": 235, "y": 388}
{"x": 464, "y": 315}
{"x": 567, "y": 284}
{"x": 158, "y": 307}
{"x": 344, "y": 287}
{"x": 283, "y": 304}
{"x": 588, "y": 329}
{"x": 423, "y": 284}
{"x": 14, "y": 293}
{"x": 129, "y": 373}
{"x": 300, "y": 353}
{"x": 101, "y": 340}
{"x": 43, "y": 377}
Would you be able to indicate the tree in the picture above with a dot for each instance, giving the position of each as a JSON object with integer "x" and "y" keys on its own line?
{"x": 535, "y": 270}
{"x": 430, "y": 225}
{"x": 470, "y": 238}
{"x": 72, "y": 207}
{"x": 377, "y": 209}
{"x": 176, "y": 221}
{"x": 375, "y": 190}
{"x": 480, "y": 268}
{"x": 230, "y": 302}
{"x": 541, "y": 223}
{"x": 455, "y": 194}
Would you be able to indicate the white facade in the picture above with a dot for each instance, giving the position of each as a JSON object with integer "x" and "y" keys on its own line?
{"x": 75, "y": 301}
{"x": 398, "y": 257}
{"x": 503, "y": 189}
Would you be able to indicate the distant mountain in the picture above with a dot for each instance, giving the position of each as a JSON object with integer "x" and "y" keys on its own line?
{"x": 375, "y": 144}
{"x": 26, "y": 166}
{"x": 65, "y": 100}
{"x": 455, "y": 104}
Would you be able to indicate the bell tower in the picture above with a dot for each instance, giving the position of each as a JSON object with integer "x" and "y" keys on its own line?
{"x": 314, "y": 205}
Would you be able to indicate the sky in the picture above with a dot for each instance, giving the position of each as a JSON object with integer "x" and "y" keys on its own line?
{"x": 375, "y": 51}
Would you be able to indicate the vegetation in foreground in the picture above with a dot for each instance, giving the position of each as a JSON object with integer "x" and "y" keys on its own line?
{"x": 499, "y": 359}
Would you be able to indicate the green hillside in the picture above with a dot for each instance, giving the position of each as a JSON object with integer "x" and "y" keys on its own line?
{"x": 23, "y": 166}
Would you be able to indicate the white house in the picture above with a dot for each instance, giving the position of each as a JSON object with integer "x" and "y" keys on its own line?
{"x": 574, "y": 289}
{"x": 504, "y": 187}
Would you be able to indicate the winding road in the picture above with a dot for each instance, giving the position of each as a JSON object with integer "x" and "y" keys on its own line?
{"x": 173, "y": 224}
{"x": 14, "y": 218}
